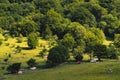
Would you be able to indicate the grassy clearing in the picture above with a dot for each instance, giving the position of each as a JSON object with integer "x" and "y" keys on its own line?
{"x": 73, "y": 71}
{"x": 9, "y": 46}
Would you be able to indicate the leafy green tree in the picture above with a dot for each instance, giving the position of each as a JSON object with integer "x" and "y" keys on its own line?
{"x": 78, "y": 52}
{"x": 117, "y": 40}
{"x": 31, "y": 62}
{"x": 4, "y": 1}
{"x": 99, "y": 34}
{"x": 112, "y": 52}
{"x": 14, "y": 68}
{"x": 32, "y": 40}
{"x": 78, "y": 32}
{"x": 108, "y": 4}
{"x": 46, "y": 5}
{"x": 54, "y": 22}
{"x": 43, "y": 53}
{"x": 100, "y": 51}
{"x": 96, "y": 10}
{"x": 57, "y": 55}
{"x": 0, "y": 41}
{"x": 83, "y": 16}
{"x": 68, "y": 41}
{"x": 112, "y": 25}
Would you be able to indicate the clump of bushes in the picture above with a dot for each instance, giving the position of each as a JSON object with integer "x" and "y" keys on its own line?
{"x": 14, "y": 68}
{"x": 0, "y": 41}
{"x": 31, "y": 62}
{"x": 18, "y": 49}
{"x": 19, "y": 40}
{"x": 57, "y": 55}
{"x": 6, "y": 37}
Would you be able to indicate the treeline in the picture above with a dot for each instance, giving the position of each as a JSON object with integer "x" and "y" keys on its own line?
{"x": 80, "y": 25}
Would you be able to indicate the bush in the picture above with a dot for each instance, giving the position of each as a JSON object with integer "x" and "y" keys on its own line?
{"x": 19, "y": 40}
{"x": 6, "y": 60}
{"x": 113, "y": 56}
{"x": 79, "y": 57}
{"x": 14, "y": 68}
{"x": 32, "y": 40}
{"x": 0, "y": 41}
{"x": 31, "y": 62}
{"x": 18, "y": 49}
{"x": 6, "y": 37}
{"x": 77, "y": 53}
{"x": 57, "y": 55}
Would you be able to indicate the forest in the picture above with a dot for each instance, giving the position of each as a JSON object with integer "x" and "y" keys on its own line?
{"x": 72, "y": 28}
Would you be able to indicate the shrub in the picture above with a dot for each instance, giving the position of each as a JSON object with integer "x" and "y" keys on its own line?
{"x": 0, "y": 41}
{"x": 19, "y": 40}
{"x": 6, "y": 60}
{"x": 6, "y": 37}
{"x": 79, "y": 57}
{"x": 14, "y": 68}
{"x": 18, "y": 49}
{"x": 31, "y": 62}
{"x": 113, "y": 56}
{"x": 77, "y": 53}
{"x": 57, "y": 55}
{"x": 32, "y": 40}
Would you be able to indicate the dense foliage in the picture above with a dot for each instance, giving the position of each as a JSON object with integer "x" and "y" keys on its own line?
{"x": 79, "y": 25}
{"x": 14, "y": 68}
{"x": 57, "y": 55}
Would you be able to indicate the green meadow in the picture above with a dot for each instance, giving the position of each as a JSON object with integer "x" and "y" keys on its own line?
{"x": 66, "y": 71}
{"x": 72, "y": 71}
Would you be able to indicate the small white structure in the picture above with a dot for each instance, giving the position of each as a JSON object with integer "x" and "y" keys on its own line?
{"x": 33, "y": 68}
{"x": 94, "y": 60}
{"x": 20, "y": 72}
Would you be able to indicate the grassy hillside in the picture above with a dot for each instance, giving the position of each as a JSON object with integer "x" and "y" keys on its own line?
{"x": 72, "y": 71}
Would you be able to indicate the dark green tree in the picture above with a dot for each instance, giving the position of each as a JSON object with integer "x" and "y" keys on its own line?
{"x": 57, "y": 55}
{"x": 32, "y": 40}
{"x": 117, "y": 40}
{"x": 78, "y": 53}
{"x": 31, "y": 62}
{"x": 14, "y": 68}
{"x": 68, "y": 41}
{"x": 100, "y": 51}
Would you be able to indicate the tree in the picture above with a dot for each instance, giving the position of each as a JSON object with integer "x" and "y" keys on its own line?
{"x": 57, "y": 55}
{"x": 14, "y": 68}
{"x": 117, "y": 40}
{"x": 42, "y": 53}
{"x": 99, "y": 34}
{"x": 83, "y": 16}
{"x": 46, "y": 5}
{"x": 32, "y": 40}
{"x": 100, "y": 51}
{"x": 78, "y": 32}
{"x": 108, "y": 4}
{"x": 112, "y": 52}
{"x": 112, "y": 25}
{"x": 78, "y": 52}
{"x": 31, "y": 62}
{"x": 68, "y": 41}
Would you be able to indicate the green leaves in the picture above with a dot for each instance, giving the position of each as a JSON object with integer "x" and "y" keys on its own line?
{"x": 32, "y": 40}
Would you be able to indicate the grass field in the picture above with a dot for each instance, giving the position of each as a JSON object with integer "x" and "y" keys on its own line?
{"x": 72, "y": 71}
{"x": 68, "y": 71}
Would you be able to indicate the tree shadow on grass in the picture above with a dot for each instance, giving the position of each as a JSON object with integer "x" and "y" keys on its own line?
{"x": 26, "y": 48}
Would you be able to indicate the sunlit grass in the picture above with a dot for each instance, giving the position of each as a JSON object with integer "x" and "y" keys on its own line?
{"x": 73, "y": 71}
